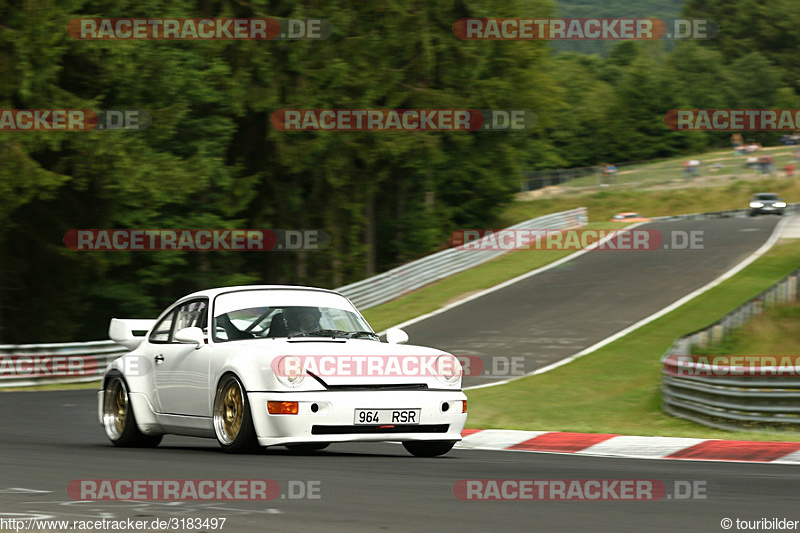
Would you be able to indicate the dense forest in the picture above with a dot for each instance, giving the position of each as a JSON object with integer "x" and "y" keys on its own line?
{"x": 210, "y": 159}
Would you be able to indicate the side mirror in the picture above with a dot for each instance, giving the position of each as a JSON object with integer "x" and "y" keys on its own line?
{"x": 193, "y": 335}
{"x": 396, "y": 336}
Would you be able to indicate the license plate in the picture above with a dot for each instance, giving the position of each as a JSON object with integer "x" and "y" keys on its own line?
{"x": 386, "y": 416}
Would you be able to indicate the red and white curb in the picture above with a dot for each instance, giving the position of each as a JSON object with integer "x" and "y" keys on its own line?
{"x": 609, "y": 445}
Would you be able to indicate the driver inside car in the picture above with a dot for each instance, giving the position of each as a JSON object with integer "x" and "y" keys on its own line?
{"x": 301, "y": 319}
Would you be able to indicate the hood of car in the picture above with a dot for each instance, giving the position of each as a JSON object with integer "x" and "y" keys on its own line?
{"x": 343, "y": 363}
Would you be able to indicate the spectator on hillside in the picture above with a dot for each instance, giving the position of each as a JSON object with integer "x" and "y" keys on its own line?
{"x": 768, "y": 164}
{"x": 690, "y": 168}
{"x": 789, "y": 168}
{"x": 753, "y": 147}
{"x": 694, "y": 166}
{"x": 738, "y": 143}
{"x": 609, "y": 171}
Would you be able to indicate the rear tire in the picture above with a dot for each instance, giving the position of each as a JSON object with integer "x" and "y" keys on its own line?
{"x": 233, "y": 422}
{"x": 432, "y": 448}
{"x": 118, "y": 418}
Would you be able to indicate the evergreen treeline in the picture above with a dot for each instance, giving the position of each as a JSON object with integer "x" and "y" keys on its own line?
{"x": 210, "y": 159}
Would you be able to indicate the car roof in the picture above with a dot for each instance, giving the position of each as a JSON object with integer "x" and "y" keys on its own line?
{"x": 211, "y": 293}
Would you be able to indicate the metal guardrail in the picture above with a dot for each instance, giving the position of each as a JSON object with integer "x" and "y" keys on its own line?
{"x": 411, "y": 276}
{"x": 35, "y": 364}
{"x": 536, "y": 179}
{"x": 22, "y": 365}
{"x": 722, "y": 397}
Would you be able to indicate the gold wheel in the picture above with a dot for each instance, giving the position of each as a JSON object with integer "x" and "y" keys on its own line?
{"x": 229, "y": 410}
{"x": 115, "y": 408}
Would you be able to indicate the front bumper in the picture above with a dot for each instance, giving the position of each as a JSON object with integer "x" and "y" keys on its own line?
{"x": 766, "y": 210}
{"x": 328, "y": 416}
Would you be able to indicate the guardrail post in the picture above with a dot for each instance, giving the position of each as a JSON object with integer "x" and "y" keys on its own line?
{"x": 717, "y": 332}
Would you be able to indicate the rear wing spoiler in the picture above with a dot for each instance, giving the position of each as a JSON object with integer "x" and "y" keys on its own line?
{"x": 121, "y": 331}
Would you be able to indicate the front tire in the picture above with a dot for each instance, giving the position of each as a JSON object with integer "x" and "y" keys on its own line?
{"x": 233, "y": 422}
{"x": 118, "y": 418}
{"x": 432, "y": 448}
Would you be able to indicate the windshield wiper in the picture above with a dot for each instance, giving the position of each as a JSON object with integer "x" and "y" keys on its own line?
{"x": 321, "y": 333}
{"x": 334, "y": 333}
{"x": 355, "y": 334}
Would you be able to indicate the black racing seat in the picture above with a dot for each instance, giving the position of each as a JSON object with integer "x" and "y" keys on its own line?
{"x": 232, "y": 331}
{"x": 277, "y": 326}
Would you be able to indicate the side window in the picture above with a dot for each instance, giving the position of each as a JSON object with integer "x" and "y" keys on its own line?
{"x": 162, "y": 331}
{"x": 191, "y": 314}
{"x": 187, "y": 315}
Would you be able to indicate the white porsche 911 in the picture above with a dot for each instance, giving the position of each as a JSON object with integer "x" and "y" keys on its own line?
{"x": 266, "y": 365}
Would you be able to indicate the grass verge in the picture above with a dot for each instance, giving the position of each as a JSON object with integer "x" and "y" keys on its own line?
{"x": 772, "y": 333}
{"x": 603, "y": 205}
{"x": 617, "y": 388}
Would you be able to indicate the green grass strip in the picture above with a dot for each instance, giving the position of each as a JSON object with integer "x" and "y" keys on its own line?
{"x": 617, "y": 388}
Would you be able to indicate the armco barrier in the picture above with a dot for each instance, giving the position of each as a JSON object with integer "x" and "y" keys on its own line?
{"x": 33, "y": 364}
{"x": 73, "y": 362}
{"x": 718, "y": 397}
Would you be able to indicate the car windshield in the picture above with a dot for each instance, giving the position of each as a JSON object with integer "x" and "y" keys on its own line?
{"x": 286, "y": 314}
{"x": 766, "y": 196}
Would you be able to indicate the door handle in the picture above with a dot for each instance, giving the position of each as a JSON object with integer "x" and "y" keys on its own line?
{"x": 159, "y": 359}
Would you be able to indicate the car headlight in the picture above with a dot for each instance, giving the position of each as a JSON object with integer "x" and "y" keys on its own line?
{"x": 448, "y": 369}
{"x": 780, "y": 204}
{"x": 756, "y": 204}
{"x": 289, "y": 371}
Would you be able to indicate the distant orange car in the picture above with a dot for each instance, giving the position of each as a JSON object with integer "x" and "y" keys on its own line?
{"x": 629, "y": 217}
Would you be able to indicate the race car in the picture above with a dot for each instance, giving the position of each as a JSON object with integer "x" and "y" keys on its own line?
{"x": 628, "y": 217}
{"x": 766, "y": 203}
{"x": 267, "y": 365}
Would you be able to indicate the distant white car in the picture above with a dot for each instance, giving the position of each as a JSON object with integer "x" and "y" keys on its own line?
{"x": 767, "y": 203}
{"x": 270, "y": 365}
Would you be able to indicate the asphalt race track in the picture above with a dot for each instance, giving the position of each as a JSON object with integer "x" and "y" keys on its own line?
{"x": 49, "y": 439}
{"x": 561, "y": 311}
